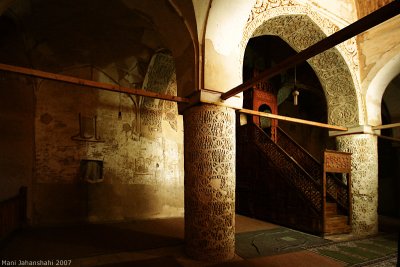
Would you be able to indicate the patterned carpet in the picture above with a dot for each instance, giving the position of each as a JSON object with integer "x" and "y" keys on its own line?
{"x": 274, "y": 241}
{"x": 374, "y": 251}
{"x": 378, "y": 251}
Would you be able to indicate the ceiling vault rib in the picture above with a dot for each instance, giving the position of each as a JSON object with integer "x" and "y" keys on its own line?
{"x": 90, "y": 83}
{"x": 384, "y": 13}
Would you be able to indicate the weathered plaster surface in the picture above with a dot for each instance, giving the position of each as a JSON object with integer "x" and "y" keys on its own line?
{"x": 378, "y": 45}
{"x": 340, "y": 10}
{"x": 142, "y": 151}
{"x": 175, "y": 24}
{"x": 380, "y": 63}
{"x": 201, "y": 8}
{"x": 223, "y": 34}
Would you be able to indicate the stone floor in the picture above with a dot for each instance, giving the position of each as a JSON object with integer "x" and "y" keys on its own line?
{"x": 145, "y": 243}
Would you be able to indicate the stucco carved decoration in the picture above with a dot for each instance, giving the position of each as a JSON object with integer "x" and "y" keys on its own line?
{"x": 364, "y": 178}
{"x": 337, "y": 68}
{"x": 160, "y": 78}
{"x": 210, "y": 182}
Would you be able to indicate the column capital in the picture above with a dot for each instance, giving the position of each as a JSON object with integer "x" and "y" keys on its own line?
{"x": 208, "y": 96}
{"x": 360, "y": 129}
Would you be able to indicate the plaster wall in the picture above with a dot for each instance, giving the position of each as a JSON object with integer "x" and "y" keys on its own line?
{"x": 225, "y": 26}
{"x": 343, "y": 10}
{"x": 379, "y": 64}
{"x": 201, "y": 9}
{"x": 142, "y": 154}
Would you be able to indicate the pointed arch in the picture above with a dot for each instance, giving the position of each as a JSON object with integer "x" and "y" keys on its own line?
{"x": 336, "y": 68}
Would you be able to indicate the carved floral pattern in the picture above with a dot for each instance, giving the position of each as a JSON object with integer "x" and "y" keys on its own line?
{"x": 210, "y": 182}
{"x": 289, "y": 169}
{"x": 170, "y": 109}
{"x": 337, "y": 69}
{"x": 364, "y": 177}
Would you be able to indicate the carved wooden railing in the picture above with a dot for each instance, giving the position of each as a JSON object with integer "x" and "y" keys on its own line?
{"x": 313, "y": 181}
{"x": 339, "y": 188}
{"x": 13, "y": 213}
{"x": 289, "y": 169}
{"x": 336, "y": 188}
{"x": 311, "y": 165}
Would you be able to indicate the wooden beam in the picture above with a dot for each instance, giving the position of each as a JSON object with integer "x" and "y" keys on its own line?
{"x": 89, "y": 83}
{"x": 387, "y": 126}
{"x": 384, "y": 13}
{"x": 290, "y": 119}
{"x": 279, "y": 117}
{"x": 388, "y": 138}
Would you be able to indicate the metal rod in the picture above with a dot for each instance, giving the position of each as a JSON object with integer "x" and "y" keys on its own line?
{"x": 89, "y": 83}
{"x": 384, "y": 13}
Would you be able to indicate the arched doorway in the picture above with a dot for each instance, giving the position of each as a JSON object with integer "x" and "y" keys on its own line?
{"x": 265, "y": 123}
{"x": 389, "y": 153}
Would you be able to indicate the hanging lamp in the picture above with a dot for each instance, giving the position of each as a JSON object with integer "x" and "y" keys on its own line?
{"x": 295, "y": 92}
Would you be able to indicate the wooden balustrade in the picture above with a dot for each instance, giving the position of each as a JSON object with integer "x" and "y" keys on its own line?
{"x": 336, "y": 162}
{"x": 13, "y": 213}
{"x": 326, "y": 189}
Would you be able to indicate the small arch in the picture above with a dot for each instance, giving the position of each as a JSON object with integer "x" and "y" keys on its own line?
{"x": 377, "y": 88}
{"x": 265, "y": 123}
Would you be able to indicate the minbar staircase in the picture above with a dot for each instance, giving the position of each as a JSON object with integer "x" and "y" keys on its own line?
{"x": 335, "y": 223}
{"x": 279, "y": 181}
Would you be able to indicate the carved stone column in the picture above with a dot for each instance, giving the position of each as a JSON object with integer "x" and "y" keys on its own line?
{"x": 209, "y": 182}
{"x": 364, "y": 176}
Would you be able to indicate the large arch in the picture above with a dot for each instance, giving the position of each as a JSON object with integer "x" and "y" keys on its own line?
{"x": 338, "y": 71}
{"x": 337, "y": 68}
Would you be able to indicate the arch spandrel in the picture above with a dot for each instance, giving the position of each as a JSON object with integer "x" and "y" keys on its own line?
{"x": 336, "y": 68}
